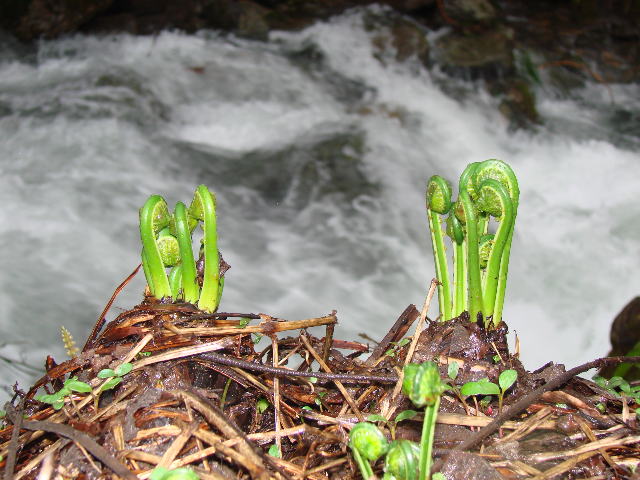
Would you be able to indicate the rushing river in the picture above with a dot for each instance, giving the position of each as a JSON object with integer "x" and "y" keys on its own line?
{"x": 319, "y": 154}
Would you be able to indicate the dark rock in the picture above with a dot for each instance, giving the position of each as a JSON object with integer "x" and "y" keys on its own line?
{"x": 519, "y": 104}
{"x": 41, "y": 18}
{"x": 247, "y": 19}
{"x": 488, "y": 54}
{"x": 399, "y": 37}
{"x": 471, "y": 11}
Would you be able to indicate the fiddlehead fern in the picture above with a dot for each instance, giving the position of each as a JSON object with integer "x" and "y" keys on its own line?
{"x": 495, "y": 201}
{"x": 503, "y": 173}
{"x": 439, "y": 203}
{"x": 367, "y": 443}
{"x": 182, "y": 225}
{"x": 484, "y": 248}
{"x": 423, "y": 385}
{"x": 154, "y": 216}
{"x": 203, "y": 208}
{"x": 402, "y": 460}
{"x": 466, "y": 213}
{"x": 456, "y": 233}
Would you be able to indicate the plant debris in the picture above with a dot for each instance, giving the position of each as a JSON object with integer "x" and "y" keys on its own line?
{"x": 205, "y": 393}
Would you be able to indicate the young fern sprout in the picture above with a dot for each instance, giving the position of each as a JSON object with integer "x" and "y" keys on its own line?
{"x": 495, "y": 201}
{"x": 367, "y": 443}
{"x": 203, "y": 208}
{"x": 456, "y": 233}
{"x": 485, "y": 244}
{"x": 503, "y": 173}
{"x": 423, "y": 385}
{"x": 182, "y": 224}
{"x": 480, "y": 259}
{"x": 466, "y": 212}
{"x": 439, "y": 203}
{"x": 402, "y": 461}
{"x": 154, "y": 217}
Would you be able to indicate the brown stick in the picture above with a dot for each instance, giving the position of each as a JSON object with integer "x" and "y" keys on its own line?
{"x": 339, "y": 384}
{"x": 101, "y": 318}
{"x": 15, "y": 434}
{"x": 396, "y": 332}
{"x": 214, "y": 416}
{"x": 285, "y": 372}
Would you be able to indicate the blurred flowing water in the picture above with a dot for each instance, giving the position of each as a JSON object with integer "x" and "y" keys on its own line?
{"x": 318, "y": 148}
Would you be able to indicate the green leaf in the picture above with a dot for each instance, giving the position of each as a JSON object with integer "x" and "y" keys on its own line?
{"x": 106, "y": 373}
{"x": 481, "y": 387}
{"x": 507, "y": 378}
{"x": 262, "y": 404}
{"x": 256, "y": 337}
{"x": 313, "y": 379}
{"x": 57, "y": 405}
{"x": 2, "y": 413}
{"x": 64, "y": 391}
{"x": 390, "y": 353}
{"x": 438, "y": 476}
{"x": 601, "y": 407}
{"x": 243, "y": 322}
{"x": 600, "y": 381}
{"x": 405, "y": 415}
{"x": 274, "y": 451}
{"x": 77, "y": 386}
{"x": 615, "y": 382}
{"x": 307, "y": 407}
{"x": 144, "y": 354}
{"x": 452, "y": 370}
{"x": 111, "y": 383}
{"x": 123, "y": 369}
{"x": 403, "y": 342}
{"x": 160, "y": 473}
{"x": 374, "y": 417}
{"x": 56, "y": 397}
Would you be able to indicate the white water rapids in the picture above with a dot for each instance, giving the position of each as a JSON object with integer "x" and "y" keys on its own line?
{"x": 319, "y": 153}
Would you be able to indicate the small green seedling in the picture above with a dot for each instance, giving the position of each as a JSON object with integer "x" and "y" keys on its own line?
{"x": 452, "y": 372}
{"x": 396, "y": 346}
{"x": 115, "y": 376}
{"x": 161, "y": 473}
{"x": 57, "y": 400}
{"x": 391, "y": 424}
{"x": 484, "y": 387}
{"x": 318, "y": 400}
{"x": 619, "y": 387}
{"x": 255, "y": 338}
{"x": 244, "y": 321}
{"x": 262, "y": 404}
{"x": 368, "y": 444}
{"x": 423, "y": 385}
{"x": 274, "y": 451}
